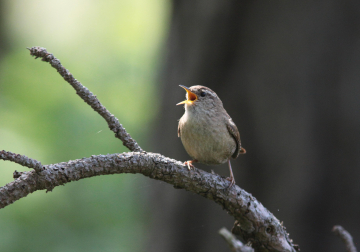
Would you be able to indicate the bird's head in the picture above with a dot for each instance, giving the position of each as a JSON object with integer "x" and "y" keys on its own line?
{"x": 200, "y": 97}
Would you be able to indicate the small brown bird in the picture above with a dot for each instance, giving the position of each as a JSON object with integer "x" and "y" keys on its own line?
{"x": 207, "y": 131}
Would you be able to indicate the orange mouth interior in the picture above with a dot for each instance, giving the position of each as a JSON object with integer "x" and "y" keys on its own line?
{"x": 191, "y": 97}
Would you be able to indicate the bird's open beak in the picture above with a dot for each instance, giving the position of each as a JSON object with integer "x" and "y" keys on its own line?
{"x": 191, "y": 97}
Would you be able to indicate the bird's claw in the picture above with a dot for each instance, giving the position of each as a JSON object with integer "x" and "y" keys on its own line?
{"x": 232, "y": 182}
{"x": 189, "y": 165}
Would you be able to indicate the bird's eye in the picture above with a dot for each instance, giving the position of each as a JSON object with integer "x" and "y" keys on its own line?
{"x": 202, "y": 94}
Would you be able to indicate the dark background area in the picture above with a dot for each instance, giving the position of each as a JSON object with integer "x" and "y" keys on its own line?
{"x": 288, "y": 74}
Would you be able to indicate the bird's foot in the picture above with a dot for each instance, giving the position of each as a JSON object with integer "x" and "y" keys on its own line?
{"x": 232, "y": 181}
{"x": 189, "y": 164}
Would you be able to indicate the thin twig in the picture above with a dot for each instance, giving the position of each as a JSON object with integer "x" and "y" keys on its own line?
{"x": 22, "y": 160}
{"x": 88, "y": 97}
{"x": 345, "y": 237}
{"x": 234, "y": 244}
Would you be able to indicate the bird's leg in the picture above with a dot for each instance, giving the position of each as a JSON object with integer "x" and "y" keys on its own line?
{"x": 189, "y": 164}
{"x": 231, "y": 178}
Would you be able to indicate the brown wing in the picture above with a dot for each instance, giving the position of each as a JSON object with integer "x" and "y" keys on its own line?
{"x": 234, "y": 132}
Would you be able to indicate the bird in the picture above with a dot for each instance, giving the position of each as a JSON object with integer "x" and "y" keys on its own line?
{"x": 207, "y": 132}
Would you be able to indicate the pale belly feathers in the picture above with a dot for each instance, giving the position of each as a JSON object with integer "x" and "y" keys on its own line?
{"x": 206, "y": 140}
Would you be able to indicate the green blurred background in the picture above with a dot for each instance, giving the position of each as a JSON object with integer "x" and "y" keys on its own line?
{"x": 114, "y": 49}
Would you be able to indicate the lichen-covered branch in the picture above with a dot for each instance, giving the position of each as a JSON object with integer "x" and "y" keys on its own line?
{"x": 22, "y": 160}
{"x": 88, "y": 97}
{"x": 257, "y": 224}
{"x": 234, "y": 244}
{"x": 345, "y": 237}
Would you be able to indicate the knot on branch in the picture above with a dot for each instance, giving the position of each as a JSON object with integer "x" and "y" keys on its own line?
{"x": 17, "y": 174}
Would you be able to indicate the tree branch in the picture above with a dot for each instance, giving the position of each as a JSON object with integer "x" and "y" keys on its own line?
{"x": 257, "y": 224}
{"x": 21, "y": 160}
{"x": 345, "y": 237}
{"x": 88, "y": 97}
{"x": 234, "y": 244}
{"x": 253, "y": 221}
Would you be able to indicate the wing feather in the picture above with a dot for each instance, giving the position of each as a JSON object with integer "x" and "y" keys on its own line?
{"x": 234, "y": 132}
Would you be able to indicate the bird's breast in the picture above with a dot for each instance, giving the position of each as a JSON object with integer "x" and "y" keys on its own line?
{"x": 206, "y": 138}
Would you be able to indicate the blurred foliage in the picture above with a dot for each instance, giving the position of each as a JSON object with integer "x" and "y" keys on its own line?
{"x": 113, "y": 48}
